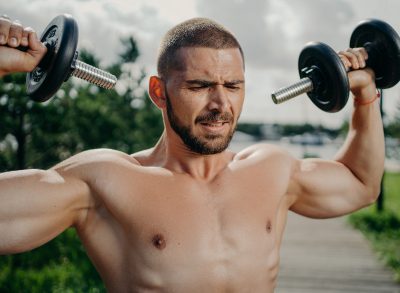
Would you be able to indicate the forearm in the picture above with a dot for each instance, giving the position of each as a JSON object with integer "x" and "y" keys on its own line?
{"x": 363, "y": 151}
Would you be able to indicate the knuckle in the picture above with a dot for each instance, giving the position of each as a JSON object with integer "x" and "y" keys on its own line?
{"x": 354, "y": 51}
{"x": 4, "y": 18}
{"x": 28, "y": 30}
{"x": 364, "y": 52}
{"x": 16, "y": 28}
{"x": 353, "y": 57}
{"x": 5, "y": 24}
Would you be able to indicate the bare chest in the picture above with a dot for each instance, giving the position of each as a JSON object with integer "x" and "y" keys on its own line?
{"x": 176, "y": 232}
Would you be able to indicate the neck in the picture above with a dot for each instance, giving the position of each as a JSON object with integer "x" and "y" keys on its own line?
{"x": 174, "y": 155}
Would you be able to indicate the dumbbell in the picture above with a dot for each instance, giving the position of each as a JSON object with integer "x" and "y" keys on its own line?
{"x": 324, "y": 77}
{"x": 60, "y": 62}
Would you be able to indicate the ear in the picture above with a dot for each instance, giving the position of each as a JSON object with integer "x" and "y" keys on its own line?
{"x": 157, "y": 91}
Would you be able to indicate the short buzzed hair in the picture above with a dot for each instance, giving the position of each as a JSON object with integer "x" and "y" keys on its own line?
{"x": 195, "y": 32}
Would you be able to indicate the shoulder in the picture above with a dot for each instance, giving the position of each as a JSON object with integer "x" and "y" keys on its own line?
{"x": 264, "y": 151}
{"x": 267, "y": 159}
{"x": 95, "y": 159}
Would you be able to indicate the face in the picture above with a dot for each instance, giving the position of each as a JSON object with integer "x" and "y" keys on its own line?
{"x": 205, "y": 98}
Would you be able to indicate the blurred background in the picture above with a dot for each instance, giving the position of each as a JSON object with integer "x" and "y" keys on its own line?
{"x": 123, "y": 36}
{"x": 272, "y": 33}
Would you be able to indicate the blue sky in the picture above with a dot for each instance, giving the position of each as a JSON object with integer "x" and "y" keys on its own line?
{"x": 272, "y": 33}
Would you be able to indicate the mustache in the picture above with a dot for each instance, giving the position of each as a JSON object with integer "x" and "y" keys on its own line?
{"x": 214, "y": 116}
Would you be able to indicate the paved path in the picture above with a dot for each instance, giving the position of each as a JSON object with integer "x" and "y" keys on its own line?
{"x": 328, "y": 256}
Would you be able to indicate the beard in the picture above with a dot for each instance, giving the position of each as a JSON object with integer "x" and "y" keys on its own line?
{"x": 210, "y": 144}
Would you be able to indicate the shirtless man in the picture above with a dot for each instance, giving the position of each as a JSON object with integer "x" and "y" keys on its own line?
{"x": 188, "y": 215}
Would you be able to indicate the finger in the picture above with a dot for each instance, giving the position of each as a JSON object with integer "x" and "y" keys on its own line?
{"x": 363, "y": 52}
{"x": 359, "y": 55}
{"x": 33, "y": 40}
{"x": 15, "y": 34}
{"x": 352, "y": 58}
{"x": 25, "y": 35}
{"x": 345, "y": 60}
{"x": 36, "y": 47}
{"x": 5, "y": 24}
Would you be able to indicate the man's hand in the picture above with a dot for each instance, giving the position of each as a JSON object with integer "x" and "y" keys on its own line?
{"x": 12, "y": 36}
{"x": 362, "y": 82}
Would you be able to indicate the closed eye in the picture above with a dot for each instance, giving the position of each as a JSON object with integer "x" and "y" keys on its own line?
{"x": 232, "y": 86}
{"x": 196, "y": 85}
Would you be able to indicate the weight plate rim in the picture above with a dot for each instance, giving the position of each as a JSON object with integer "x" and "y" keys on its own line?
{"x": 340, "y": 82}
{"x": 390, "y": 35}
{"x": 54, "y": 82}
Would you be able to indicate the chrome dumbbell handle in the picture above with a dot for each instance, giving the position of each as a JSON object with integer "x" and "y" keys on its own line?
{"x": 93, "y": 75}
{"x": 304, "y": 85}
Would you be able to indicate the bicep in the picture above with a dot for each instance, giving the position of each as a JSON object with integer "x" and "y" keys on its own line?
{"x": 324, "y": 189}
{"x": 36, "y": 206}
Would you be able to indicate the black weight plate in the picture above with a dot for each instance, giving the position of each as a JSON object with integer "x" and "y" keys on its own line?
{"x": 328, "y": 74}
{"x": 62, "y": 36}
{"x": 383, "y": 46}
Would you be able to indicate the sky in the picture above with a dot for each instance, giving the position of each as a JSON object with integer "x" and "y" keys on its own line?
{"x": 271, "y": 32}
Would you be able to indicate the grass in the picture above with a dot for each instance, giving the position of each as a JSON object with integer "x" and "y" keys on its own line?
{"x": 383, "y": 228}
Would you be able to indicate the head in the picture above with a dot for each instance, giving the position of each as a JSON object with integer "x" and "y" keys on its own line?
{"x": 193, "y": 33}
{"x": 200, "y": 84}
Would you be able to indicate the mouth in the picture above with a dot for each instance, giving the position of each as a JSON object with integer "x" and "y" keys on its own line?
{"x": 214, "y": 126}
{"x": 213, "y": 123}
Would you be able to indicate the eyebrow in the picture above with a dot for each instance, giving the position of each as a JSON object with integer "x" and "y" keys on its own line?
{"x": 204, "y": 82}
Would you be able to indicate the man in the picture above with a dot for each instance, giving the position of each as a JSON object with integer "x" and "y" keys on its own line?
{"x": 189, "y": 215}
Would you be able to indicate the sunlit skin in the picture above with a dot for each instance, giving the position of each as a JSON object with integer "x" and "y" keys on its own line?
{"x": 169, "y": 219}
{"x": 206, "y": 101}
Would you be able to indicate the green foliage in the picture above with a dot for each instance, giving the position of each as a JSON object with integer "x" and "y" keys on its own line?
{"x": 294, "y": 129}
{"x": 39, "y": 135}
{"x": 130, "y": 52}
{"x": 87, "y": 57}
{"x": 254, "y": 129}
{"x": 392, "y": 193}
{"x": 34, "y": 135}
{"x": 59, "y": 266}
{"x": 392, "y": 128}
{"x": 383, "y": 228}
{"x": 377, "y": 222}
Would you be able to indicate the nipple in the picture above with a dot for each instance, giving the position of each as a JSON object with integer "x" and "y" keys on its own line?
{"x": 269, "y": 226}
{"x": 158, "y": 241}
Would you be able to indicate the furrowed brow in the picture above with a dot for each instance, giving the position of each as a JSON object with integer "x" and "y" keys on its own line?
{"x": 203, "y": 82}
{"x": 234, "y": 82}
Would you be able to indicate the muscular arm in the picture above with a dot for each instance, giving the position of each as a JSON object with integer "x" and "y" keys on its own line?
{"x": 332, "y": 188}
{"x": 36, "y": 206}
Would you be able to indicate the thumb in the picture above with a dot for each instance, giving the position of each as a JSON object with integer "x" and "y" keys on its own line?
{"x": 36, "y": 48}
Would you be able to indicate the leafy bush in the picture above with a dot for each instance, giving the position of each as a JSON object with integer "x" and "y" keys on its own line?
{"x": 383, "y": 228}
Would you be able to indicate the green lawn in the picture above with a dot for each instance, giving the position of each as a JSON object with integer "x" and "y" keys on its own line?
{"x": 383, "y": 229}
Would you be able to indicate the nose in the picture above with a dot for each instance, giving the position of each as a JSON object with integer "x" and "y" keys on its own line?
{"x": 219, "y": 99}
